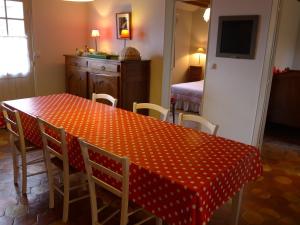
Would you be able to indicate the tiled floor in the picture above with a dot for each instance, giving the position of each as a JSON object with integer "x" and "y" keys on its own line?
{"x": 273, "y": 200}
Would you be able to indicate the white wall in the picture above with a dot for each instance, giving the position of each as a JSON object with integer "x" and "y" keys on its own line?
{"x": 232, "y": 89}
{"x": 182, "y": 45}
{"x": 148, "y": 32}
{"x": 199, "y": 38}
{"x": 296, "y": 64}
{"x": 58, "y": 28}
{"x": 287, "y": 34}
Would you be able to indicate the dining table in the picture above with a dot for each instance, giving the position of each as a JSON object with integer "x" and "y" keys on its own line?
{"x": 179, "y": 174}
{"x": 2, "y": 123}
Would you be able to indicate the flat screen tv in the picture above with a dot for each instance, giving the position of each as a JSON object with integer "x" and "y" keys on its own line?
{"x": 237, "y": 36}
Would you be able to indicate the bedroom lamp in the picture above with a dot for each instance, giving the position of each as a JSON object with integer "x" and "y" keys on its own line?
{"x": 206, "y": 14}
{"x": 200, "y": 51}
{"x": 124, "y": 35}
{"x": 95, "y": 34}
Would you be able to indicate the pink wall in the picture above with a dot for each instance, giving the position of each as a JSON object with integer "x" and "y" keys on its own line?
{"x": 58, "y": 28}
{"x": 148, "y": 32}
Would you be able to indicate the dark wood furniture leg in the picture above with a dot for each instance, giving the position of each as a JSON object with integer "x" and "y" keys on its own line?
{"x": 173, "y": 102}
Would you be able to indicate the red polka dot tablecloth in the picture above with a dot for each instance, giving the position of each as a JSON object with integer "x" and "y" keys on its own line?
{"x": 176, "y": 173}
{"x": 2, "y": 123}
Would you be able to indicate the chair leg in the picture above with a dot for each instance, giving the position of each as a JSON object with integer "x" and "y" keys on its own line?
{"x": 236, "y": 206}
{"x": 48, "y": 166}
{"x": 66, "y": 197}
{"x": 93, "y": 200}
{"x": 15, "y": 165}
{"x": 51, "y": 187}
{"x": 24, "y": 173}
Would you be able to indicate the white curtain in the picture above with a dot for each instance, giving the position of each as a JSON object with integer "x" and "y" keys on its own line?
{"x": 14, "y": 56}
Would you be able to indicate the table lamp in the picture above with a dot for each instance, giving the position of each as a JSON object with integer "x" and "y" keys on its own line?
{"x": 95, "y": 34}
{"x": 124, "y": 35}
{"x": 200, "y": 51}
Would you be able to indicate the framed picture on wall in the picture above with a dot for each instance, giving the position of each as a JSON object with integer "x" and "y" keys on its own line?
{"x": 123, "y": 22}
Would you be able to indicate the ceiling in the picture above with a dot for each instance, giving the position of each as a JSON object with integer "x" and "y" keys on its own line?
{"x": 200, "y": 3}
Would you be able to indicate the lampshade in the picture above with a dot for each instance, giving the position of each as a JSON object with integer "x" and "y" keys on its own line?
{"x": 206, "y": 14}
{"x": 201, "y": 50}
{"x": 95, "y": 33}
{"x": 124, "y": 33}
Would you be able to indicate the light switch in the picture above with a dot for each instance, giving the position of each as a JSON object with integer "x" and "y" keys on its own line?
{"x": 214, "y": 66}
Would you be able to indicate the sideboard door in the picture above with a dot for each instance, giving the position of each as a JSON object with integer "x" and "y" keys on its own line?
{"x": 104, "y": 84}
{"x": 76, "y": 81}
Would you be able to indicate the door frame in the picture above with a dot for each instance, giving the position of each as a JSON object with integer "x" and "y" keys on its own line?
{"x": 169, "y": 50}
{"x": 267, "y": 76}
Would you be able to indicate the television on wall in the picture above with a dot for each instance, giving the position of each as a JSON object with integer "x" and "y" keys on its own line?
{"x": 237, "y": 36}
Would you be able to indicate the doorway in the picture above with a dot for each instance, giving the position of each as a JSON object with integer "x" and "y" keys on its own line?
{"x": 189, "y": 56}
{"x": 283, "y": 120}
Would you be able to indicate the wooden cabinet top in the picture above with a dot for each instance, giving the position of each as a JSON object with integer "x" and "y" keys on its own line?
{"x": 106, "y": 60}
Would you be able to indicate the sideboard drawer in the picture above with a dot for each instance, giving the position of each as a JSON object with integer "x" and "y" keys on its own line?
{"x": 100, "y": 66}
{"x": 77, "y": 62}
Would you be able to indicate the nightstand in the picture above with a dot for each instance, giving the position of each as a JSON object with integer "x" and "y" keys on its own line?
{"x": 194, "y": 73}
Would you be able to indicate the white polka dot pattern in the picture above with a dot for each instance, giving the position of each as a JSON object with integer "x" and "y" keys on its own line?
{"x": 178, "y": 174}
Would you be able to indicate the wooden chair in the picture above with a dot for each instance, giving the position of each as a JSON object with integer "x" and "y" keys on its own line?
{"x": 91, "y": 166}
{"x": 107, "y": 97}
{"x": 164, "y": 112}
{"x": 199, "y": 119}
{"x": 58, "y": 158}
{"x": 20, "y": 146}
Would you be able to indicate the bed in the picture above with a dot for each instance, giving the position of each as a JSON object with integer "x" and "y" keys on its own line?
{"x": 188, "y": 96}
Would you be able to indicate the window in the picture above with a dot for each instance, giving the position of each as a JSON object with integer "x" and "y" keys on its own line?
{"x": 14, "y": 55}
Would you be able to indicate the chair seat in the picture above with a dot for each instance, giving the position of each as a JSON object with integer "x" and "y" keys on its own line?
{"x": 59, "y": 164}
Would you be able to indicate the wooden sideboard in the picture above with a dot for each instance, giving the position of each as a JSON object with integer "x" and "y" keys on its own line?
{"x": 128, "y": 81}
{"x": 284, "y": 103}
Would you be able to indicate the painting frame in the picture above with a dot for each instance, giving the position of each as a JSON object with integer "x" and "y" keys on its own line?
{"x": 123, "y": 22}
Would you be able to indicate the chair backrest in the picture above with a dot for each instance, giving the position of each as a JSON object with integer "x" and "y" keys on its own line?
{"x": 199, "y": 119}
{"x": 14, "y": 127}
{"x": 163, "y": 111}
{"x": 107, "y": 97}
{"x": 54, "y": 137}
{"x": 123, "y": 177}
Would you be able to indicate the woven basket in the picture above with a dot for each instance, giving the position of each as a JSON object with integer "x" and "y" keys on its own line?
{"x": 130, "y": 53}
